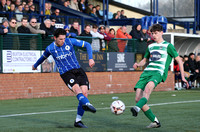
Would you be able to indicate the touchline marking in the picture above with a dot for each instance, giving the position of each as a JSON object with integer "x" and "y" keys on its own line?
{"x": 50, "y": 112}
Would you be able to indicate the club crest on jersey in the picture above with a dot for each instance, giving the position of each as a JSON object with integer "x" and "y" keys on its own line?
{"x": 67, "y": 47}
{"x": 71, "y": 81}
{"x": 154, "y": 56}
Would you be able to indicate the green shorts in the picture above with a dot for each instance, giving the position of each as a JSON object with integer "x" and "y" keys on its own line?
{"x": 145, "y": 78}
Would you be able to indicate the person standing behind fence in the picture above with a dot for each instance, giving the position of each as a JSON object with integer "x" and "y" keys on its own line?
{"x": 74, "y": 28}
{"x": 81, "y": 6}
{"x": 103, "y": 42}
{"x": 87, "y": 33}
{"x": 13, "y": 29}
{"x": 121, "y": 33}
{"x": 96, "y": 42}
{"x": 74, "y": 5}
{"x": 112, "y": 45}
{"x": 34, "y": 29}
{"x": 136, "y": 32}
{"x": 144, "y": 35}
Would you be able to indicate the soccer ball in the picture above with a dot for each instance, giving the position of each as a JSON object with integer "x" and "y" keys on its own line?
{"x": 117, "y": 107}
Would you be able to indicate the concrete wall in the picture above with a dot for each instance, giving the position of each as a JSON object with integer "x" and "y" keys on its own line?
{"x": 39, "y": 85}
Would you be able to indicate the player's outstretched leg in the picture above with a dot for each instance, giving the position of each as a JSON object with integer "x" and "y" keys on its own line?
{"x": 85, "y": 103}
{"x": 155, "y": 123}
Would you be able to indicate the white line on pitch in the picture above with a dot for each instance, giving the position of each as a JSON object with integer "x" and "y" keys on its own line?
{"x": 50, "y": 112}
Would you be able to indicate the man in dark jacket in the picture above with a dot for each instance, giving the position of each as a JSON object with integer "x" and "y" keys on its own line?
{"x": 192, "y": 66}
{"x": 74, "y": 28}
{"x": 4, "y": 28}
{"x": 23, "y": 28}
{"x": 87, "y": 33}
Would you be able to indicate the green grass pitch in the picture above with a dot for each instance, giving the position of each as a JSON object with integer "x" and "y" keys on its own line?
{"x": 58, "y": 114}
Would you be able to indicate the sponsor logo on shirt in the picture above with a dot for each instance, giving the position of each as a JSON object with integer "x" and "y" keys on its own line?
{"x": 154, "y": 56}
{"x": 63, "y": 56}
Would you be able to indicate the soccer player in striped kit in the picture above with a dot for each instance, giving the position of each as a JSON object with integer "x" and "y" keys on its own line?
{"x": 74, "y": 77}
{"x": 160, "y": 54}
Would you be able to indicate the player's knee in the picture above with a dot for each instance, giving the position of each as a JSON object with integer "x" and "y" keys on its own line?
{"x": 137, "y": 99}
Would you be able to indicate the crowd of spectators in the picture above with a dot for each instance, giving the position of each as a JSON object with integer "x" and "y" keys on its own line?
{"x": 191, "y": 65}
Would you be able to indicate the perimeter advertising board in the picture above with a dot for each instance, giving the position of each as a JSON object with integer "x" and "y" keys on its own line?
{"x": 120, "y": 61}
{"x": 17, "y": 61}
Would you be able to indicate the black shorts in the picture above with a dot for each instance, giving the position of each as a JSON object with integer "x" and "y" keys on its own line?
{"x": 75, "y": 76}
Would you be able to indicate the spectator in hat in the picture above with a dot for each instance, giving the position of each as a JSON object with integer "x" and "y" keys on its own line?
{"x": 4, "y": 28}
{"x": 69, "y": 35}
{"x": 144, "y": 35}
{"x": 103, "y": 42}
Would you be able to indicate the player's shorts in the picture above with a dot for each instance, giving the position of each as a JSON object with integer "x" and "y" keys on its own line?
{"x": 75, "y": 76}
{"x": 145, "y": 78}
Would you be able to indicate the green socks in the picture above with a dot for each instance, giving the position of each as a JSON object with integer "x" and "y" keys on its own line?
{"x": 150, "y": 115}
{"x": 141, "y": 102}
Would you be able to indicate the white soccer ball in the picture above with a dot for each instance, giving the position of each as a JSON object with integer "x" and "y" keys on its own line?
{"x": 117, "y": 107}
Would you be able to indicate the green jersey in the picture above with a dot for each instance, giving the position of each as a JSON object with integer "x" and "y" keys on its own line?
{"x": 160, "y": 57}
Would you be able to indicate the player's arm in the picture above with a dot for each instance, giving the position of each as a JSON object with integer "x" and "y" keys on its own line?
{"x": 87, "y": 45}
{"x": 41, "y": 59}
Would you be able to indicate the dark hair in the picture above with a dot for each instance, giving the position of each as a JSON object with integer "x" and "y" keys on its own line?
{"x": 13, "y": 18}
{"x": 59, "y": 31}
{"x": 156, "y": 27}
{"x": 24, "y": 18}
{"x": 87, "y": 25}
{"x": 95, "y": 26}
{"x": 112, "y": 29}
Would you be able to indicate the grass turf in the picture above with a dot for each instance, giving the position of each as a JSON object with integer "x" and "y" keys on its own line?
{"x": 174, "y": 117}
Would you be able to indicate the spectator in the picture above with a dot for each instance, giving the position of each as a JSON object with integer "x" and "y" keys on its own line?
{"x": 197, "y": 60}
{"x": 30, "y": 3}
{"x": 13, "y": 29}
{"x": 97, "y": 12}
{"x": 4, "y": 28}
{"x": 33, "y": 10}
{"x": 53, "y": 24}
{"x": 112, "y": 45}
{"x": 105, "y": 39}
{"x": 8, "y": 3}
{"x": 61, "y": 2}
{"x": 81, "y": 6}
{"x": 149, "y": 33}
{"x": 93, "y": 12}
{"x": 56, "y": 15}
{"x": 144, "y": 36}
{"x": 136, "y": 32}
{"x": 117, "y": 15}
{"x": 96, "y": 42}
{"x": 121, "y": 33}
{"x": 18, "y": 2}
{"x": 88, "y": 9}
{"x": 74, "y": 28}
{"x": 23, "y": 4}
{"x": 74, "y": 5}
{"x": 122, "y": 15}
{"x": 178, "y": 83}
{"x": 26, "y": 11}
{"x": 67, "y": 4}
{"x": 86, "y": 32}
{"x": 23, "y": 28}
{"x": 107, "y": 30}
{"x": 20, "y": 15}
{"x": 34, "y": 28}
{"x": 12, "y": 10}
{"x": 69, "y": 35}
{"x": 3, "y": 9}
{"x": 194, "y": 71}
{"x": 46, "y": 26}
{"x": 48, "y": 9}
